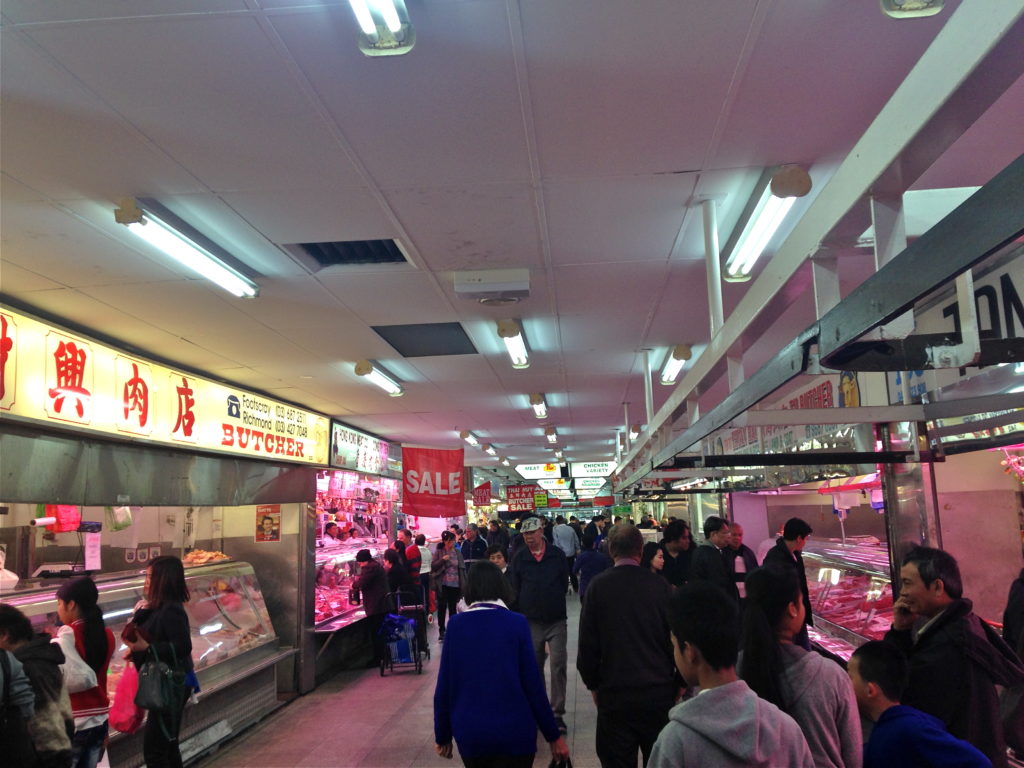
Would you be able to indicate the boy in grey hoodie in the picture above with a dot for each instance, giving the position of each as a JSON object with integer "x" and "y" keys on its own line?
{"x": 726, "y": 725}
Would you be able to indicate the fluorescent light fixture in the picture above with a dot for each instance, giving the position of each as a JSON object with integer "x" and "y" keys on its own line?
{"x": 489, "y": 449}
{"x": 634, "y": 432}
{"x": 373, "y": 371}
{"x": 362, "y": 11}
{"x": 385, "y": 27}
{"x": 540, "y": 408}
{"x": 551, "y": 435}
{"x": 469, "y": 437}
{"x": 674, "y": 363}
{"x": 510, "y": 332}
{"x": 505, "y": 462}
{"x": 759, "y": 227}
{"x": 559, "y": 454}
{"x": 182, "y": 246}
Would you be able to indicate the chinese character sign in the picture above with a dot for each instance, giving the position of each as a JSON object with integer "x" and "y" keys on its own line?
{"x": 69, "y": 378}
{"x": 432, "y": 482}
{"x": 53, "y": 376}
{"x": 521, "y": 498}
{"x": 134, "y": 380}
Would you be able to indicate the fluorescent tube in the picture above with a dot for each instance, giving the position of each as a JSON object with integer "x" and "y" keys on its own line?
{"x": 364, "y": 17}
{"x": 469, "y": 437}
{"x": 762, "y": 225}
{"x": 180, "y": 248}
{"x": 375, "y": 374}
{"x": 674, "y": 363}
{"x": 540, "y": 408}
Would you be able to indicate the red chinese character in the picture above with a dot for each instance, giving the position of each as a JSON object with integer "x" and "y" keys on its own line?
{"x": 70, "y": 361}
{"x": 186, "y": 419}
{"x": 6, "y": 343}
{"x": 136, "y": 396}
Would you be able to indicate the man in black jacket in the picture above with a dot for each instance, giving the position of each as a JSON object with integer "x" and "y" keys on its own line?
{"x": 539, "y": 575}
{"x": 956, "y": 659}
{"x": 743, "y": 559}
{"x": 678, "y": 548}
{"x": 788, "y": 553}
{"x": 711, "y": 562}
{"x": 625, "y": 652}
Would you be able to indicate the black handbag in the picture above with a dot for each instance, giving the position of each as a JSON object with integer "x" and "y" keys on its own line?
{"x": 161, "y": 685}
{"x": 567, "y": 763}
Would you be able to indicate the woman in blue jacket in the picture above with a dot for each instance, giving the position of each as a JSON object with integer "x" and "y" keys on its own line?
{"x": 493, "y": 718}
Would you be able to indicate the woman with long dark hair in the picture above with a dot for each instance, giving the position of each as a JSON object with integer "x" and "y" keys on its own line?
{"x": 160, "y": 629}
{"x": 83, "y": 624}
{"x": 494, "y": 717}
{"x": 813, "y": 690}
{"x": 653, "y": 559}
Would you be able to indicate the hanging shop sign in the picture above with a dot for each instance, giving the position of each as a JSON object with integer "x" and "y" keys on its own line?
{"x": 561, "y": 484}
{"x": 591, "y": 468}
{"x": 351, "y": 449}
{"x": 999, "y": 300}
{"x": 51, "y": 376}
{"x": 482, "y": 494}
{"x": 432, "y": 482}
{"x": 589, "y": 483}
{"x": 521, "y": 498}
{"x": 540, "y": 499}
{"x": 539, "y": 471}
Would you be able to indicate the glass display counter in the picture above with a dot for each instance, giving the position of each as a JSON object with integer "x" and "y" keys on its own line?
{"x": 850, "y": 591}
{"x": 336, "y": 603}
{"x": 234, "y": 647}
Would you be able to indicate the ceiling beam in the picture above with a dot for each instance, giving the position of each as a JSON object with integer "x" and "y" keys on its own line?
{"x": 971, "y": 62}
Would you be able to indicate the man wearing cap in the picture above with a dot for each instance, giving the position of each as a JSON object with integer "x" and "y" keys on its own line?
{"x": 539, "y": 572}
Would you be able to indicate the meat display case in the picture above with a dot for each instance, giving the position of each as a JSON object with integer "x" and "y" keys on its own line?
{"x": 335, "y": 603}
{"x": 234, "y": 648}
{"x": 850, "y": 590}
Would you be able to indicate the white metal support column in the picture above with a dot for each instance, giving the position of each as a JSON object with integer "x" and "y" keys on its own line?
{"x": 648, "y": 390}
{"x": 714, "y": 266}
{"x": 825, "y": 273}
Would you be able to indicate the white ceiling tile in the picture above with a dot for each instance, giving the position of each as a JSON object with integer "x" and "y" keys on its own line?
{"x": 484, "y": 226}
{"x": 636, "y": 88}
{"x": 36, "y": 11}
{"x": 459, "y": 82}
{"x": 398, "y": 296}
{"x": 62, "y": 142}
{"x": 244, "y": 125}
{"x": 286, "y": 216}
{"x": 616, "y": 219}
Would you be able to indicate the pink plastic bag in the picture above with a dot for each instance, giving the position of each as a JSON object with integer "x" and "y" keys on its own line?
{"x": 124, "y": 715}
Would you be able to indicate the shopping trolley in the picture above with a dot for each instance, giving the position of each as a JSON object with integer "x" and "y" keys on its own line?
{"x": 403, "y": 632}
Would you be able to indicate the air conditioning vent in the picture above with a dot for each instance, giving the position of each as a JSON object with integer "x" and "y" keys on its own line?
{"x": 347, "y": 253}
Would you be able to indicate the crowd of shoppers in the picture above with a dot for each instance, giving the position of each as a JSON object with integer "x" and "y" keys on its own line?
{"x": 700, "y": 656}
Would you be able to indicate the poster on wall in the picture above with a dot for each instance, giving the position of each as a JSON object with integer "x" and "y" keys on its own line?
{"x": 268, "y": 522}
{"x": 432, "y": 482}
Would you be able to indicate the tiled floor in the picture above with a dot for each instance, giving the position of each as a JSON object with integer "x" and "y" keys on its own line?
{"x": 361, "y": 719}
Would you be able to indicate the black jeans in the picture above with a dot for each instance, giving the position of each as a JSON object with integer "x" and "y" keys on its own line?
{"x": 447, "y": 600}
{"x": 160, "y": 739}
{"x": 573, "y": 579}
{"x": 628, "y": 722}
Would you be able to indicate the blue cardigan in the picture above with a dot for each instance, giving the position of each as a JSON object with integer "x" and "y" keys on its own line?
{"x": 497, "y": 713}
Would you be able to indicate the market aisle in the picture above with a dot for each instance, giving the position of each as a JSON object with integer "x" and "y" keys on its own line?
{"x": 359, "y": 718}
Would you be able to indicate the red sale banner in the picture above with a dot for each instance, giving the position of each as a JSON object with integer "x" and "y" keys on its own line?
{"x": 482, "y": 495}
{"x": 432, "y": 482}
{"x": 521, "y": 498}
